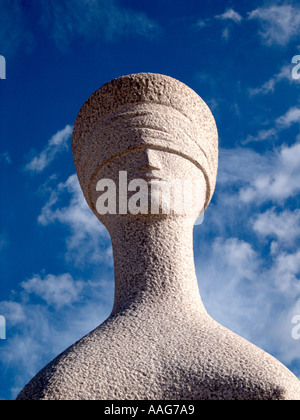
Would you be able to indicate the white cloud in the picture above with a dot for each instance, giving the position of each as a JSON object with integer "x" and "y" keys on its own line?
{"x": 281, "y": 333}
{"x": 283, "y": 226}
{"x": 238, "y": 166}
{"x": 239, "y": 257}
{"x": 260, "y": 178}
{"x": 269, "y": 86}
{"x": 247, "y": 262}
{"x": 13, "y": 311}
{"x": 257, "y": 296}
{"x": 291, "y": 117}
{"x": 58, "y": 291}
{"x": 262, "y": 135}
{"x": 232, "y": 15}
{"x": 232, "y": 287}
{"x": 286, "y": 271}
{"x": 279, "y": 24}
{"x": 253, "y": 298}
{"x": 88, "y": 240}
{"x": 229, "y": 16}
{"x": 57, "y": 144}
{"x": 281, "y": 183}
{"x": 38, "y": 332}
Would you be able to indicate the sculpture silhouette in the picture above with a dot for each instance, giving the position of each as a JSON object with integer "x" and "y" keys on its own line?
{"x": 159, "y": 342}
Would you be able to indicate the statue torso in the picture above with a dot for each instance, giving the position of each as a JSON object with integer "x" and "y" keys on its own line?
{"x": 132, "y": 357}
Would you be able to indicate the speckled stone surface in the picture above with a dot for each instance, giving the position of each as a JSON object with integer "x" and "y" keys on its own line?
{"x": 159, "y": 342}
{"x": 144, "y": 109}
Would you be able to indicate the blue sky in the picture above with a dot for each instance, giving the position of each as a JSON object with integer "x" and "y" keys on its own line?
{"x": 55, "y": 258}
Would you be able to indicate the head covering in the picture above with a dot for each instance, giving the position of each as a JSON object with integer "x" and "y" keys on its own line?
{"x": 144, "y": 109}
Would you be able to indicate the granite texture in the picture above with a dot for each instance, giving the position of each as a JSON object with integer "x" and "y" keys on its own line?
{"x": 159, "y": 342}
{"x": 138, "y": 110}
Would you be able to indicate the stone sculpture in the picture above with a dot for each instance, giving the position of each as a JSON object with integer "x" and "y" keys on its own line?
{"x": 159, "y": 342}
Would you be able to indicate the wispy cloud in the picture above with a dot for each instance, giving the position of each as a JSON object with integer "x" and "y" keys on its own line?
{"x": 88, "y": 240}
{"x": 232, "y": 15}
{"x": 252, "y": 273}
{"x": 68, "y": 19}
{"x": 5, "y": 158}
{"x": 262, "y": 135}
{"x": 58, "y": 291}
{"x": 48, "y": 314}
{"x": 253, "y": 298}
{"x": 226, "y": 34}
{"x": 251, "y": 179}
{"x": 57, "y": 144}
{"x": 14, "y": 28}
{"x": 279, "y": 24}
{"x": 281, "y": 226}
{"x": 286, "y": 273}
{"x": 278, "y": 184}
{"x": 291, "y": 117}
{"x": 229, "y": 16}
{"x": 201, "y": 23}
{"x": 269, "y": 86}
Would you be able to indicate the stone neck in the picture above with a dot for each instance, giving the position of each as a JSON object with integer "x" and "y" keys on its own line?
{"x": 154, "y": 266}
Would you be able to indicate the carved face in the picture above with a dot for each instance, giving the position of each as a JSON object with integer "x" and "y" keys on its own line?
{"x": 151, "y": 183}
{"x": 155, "y": 130}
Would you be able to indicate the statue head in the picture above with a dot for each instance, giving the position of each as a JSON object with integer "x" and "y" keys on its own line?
{"x": 146, "y": 145}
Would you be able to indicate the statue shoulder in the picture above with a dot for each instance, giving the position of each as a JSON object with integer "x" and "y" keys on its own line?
{"x": 230, "y": 367}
